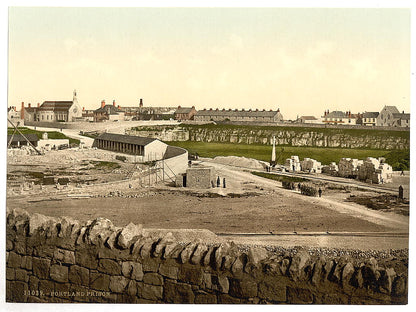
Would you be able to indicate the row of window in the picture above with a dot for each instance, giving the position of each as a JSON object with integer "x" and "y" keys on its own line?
{"x": 43, "y": 117}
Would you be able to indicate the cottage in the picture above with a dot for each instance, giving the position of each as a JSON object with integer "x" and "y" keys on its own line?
{"x": 108, "y": 112}
{"x": 17, "y": 140}
{"x": 185, "y": 113}
{"x": 369, "y": 118}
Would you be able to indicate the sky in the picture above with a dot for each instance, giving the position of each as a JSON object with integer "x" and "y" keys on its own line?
{"x": 302, "y": 61}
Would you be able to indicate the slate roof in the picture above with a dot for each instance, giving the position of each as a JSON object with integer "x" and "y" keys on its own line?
{"x": 237, "y": 113}
{"x": 371, "y": 114}
{"x": 110, "y": 109}
{"x": 336, "y": 114}
{"x": 19, "y": 138}
{"x": 392, "y": 109}
{"x": 403, "y": 116}
{"x": 130, "y": 139}
{"x": 308, "y": 118}
{"x": 183, "y": 110}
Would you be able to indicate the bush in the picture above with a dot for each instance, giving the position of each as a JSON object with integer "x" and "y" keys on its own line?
{"x": 308, "y": 190}
{"x": 121, "y": 158}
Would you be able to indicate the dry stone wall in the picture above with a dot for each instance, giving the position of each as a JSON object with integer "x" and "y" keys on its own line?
{"x": 61, "y": 260}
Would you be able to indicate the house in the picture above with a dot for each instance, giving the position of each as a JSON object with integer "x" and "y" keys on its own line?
{"x": 309, "y": 120}
{"x": 17, "y": 140}
{"x": 53, "y": 111}
{"x": 148, "y": 113}
{"x": 391, "y": 117}
{"x": 340, "y": 118}
{"x": 369, "y": 118}
{"x": 147, "y": 149}
{"x": 185, "y": 113}
{"x": 239, "y": 115}
{"x": 108, "y": 112}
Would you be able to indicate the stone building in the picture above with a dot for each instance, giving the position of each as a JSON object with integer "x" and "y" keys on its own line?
{"x": 185, "y": 113}
{"x": 391, "y": 117}
{"x": 108, "y": 112}
{"x": 239, "y": 115}
{"x": 142, "y": 112}
{"x": 53, "y": 111}
{"x": 17, "y": 140}
{"x": 341, "y": 118}
{"x": 148, "y": 149}
{"x": 197, "y": 177}
{"x": 370, "y": 118}
{"x": 309, "y": 120}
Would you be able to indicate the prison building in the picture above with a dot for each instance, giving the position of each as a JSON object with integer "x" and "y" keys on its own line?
{"x": 148, "y": 148}
{"x": 239, "y": 115}
{"x": 18, "y": 139}
{"x": 185, "y": 113}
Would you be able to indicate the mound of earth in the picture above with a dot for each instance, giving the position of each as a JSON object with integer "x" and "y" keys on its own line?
{"x": 239, "y": 162}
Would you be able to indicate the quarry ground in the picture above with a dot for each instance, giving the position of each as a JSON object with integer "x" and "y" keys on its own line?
{"x": 249, "y": 204}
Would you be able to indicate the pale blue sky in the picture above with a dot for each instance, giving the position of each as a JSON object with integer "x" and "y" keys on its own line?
{"x": 300, "y": 60}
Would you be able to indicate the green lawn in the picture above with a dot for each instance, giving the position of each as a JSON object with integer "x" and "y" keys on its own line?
{"x": 263, "y": 152}
{"x": 51, "y": 134}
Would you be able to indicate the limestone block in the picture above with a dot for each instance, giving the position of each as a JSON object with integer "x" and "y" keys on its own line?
{"x": 79, "y": 275}
{"x": 26, "y": 262}
{"x": 299, "y": 295}
{"x": 190, "y": 274}
{"x": 109, "y": 266}
{"x": 178, "y": 293}
{"x": 86, "y": 257}
{"x": 98, "y": 231}
{"x": 133, "y": 270}
{"x": 169, "y": 270}
{"x": 59, "y": 273}
{"x": 99, "y": 281}
{"x": 10, "y": 274}
{"x": 14, "y": 260}
{"x": 22, "y": 275}
{"x": 118, "y": 284}
{"x": 41, "y": 267}
{"x": 168, "y": 239}
{"x": 272, "y": 290}
{"x": 243, "y": 288}
{"x": 128, "y": 233}
{"x": 64, "y": 256}
{"x": 150, "y": 292}
{"x": 186, "y": 253}
{"x": 205, "y": 298}
{"x": 199, "y": 253}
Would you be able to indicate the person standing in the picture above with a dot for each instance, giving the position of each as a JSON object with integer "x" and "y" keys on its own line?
{"x": 218, "y": 181}
{"x": 320, "y": 192}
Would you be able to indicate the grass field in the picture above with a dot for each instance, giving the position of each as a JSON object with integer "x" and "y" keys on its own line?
{"x": 400, "y": 160}
{"x": 51, "y": 134}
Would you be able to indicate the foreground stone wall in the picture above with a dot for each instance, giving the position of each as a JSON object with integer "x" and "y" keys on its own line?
{"x": 62, "y": 260}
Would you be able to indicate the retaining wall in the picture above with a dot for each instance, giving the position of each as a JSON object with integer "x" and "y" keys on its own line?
{"x": 61, "y": 260}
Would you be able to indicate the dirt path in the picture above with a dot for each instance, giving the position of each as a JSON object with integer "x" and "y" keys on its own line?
{"x": 238, "y": 175}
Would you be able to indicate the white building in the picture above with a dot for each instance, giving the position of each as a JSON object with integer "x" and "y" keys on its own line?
{"x": 54, "y": 111}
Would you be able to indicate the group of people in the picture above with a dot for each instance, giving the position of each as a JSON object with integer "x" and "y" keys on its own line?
{"x": 293, "y": 187}
{"x": 219, "y": 182}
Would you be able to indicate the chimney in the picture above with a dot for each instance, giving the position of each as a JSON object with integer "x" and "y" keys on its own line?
{"x": 278, "y": 110}
{"x": 402, "y": 112}
{"x": 114, "y": 103}
{"x": 193, "y": 106}
{"x": 22, "y": 111}
{"x": 102, "y": 103}
{"x": 205, "y": 109}
{"x": 257, "y": 109}
{"x": 83, "y": 108}
{"x": 141, "y": 103}
{"x": 38, "y": 104}
{"x": 118, "y": 106}
{"x": 349, "y": 114}
{"x": 29, "y": 105}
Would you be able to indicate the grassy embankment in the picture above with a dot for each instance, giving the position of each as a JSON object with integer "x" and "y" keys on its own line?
{"x": 51, "y": 134}
{"x": 399, "y": 159}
